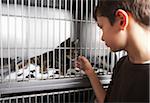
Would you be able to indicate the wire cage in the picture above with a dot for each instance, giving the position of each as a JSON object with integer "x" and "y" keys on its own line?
{"x": 69, "y": 96}
{"x": 39, "y": 42}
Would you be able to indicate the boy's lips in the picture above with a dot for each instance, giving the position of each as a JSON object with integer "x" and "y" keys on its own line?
{"x": 106, "y": 44}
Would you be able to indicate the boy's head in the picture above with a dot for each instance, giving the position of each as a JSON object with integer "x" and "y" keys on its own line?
{"x": 139, "y": 9}
{"x": 115, "y": 18}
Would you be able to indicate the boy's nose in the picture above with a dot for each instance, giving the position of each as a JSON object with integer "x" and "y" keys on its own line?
{"x": 102, "y": 38}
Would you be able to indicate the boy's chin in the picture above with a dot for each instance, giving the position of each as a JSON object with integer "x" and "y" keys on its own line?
{"x": 115, "y": 50}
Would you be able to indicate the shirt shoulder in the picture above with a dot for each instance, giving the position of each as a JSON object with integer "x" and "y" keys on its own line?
{"x": 128, "y": 80}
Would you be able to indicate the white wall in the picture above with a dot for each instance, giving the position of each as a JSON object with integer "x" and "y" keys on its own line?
{"x": 22, "y": 29}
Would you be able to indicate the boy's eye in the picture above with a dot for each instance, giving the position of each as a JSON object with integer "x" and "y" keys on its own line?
{"x": 100, "y": 26}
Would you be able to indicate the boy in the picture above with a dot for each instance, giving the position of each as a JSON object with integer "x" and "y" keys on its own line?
{"x": 126, "y": 26}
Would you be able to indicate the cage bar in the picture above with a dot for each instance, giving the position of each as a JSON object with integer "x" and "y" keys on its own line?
{"x": 22, "y": 39}
{"x": 53, "y": 35}
{"x": 35, "y": 30}
{"x": 65, "y": 53}
{"x": 28, "y": 37}
{"x": 59, "y": 61}
{"x": 1, "y": 43}
{"x": 71, "y": 27}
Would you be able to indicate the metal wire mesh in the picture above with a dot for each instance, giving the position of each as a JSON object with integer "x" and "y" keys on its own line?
{"x": 41, "y": 39}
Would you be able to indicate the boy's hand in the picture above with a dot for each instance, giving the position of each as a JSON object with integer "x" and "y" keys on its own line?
{"x": 84, "y": 65}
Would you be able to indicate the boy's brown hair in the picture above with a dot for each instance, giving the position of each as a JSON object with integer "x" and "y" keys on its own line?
{"x": 139, "y": 9}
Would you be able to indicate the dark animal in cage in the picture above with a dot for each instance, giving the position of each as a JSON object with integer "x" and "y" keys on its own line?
{"x": 59, "y": 58}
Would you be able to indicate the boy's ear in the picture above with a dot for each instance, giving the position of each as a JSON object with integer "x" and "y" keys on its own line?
{"x": 123, "y": 18}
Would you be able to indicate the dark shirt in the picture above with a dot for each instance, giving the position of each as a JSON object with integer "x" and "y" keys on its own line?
{"x": 130, "y": 83}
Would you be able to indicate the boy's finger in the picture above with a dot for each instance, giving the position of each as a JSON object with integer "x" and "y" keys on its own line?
{"x": 82, "y": 59}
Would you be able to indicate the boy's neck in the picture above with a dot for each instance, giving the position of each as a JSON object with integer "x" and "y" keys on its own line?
{"x": 140, "y": 53}
{"x": 139, "y": 59}
{"x": 138, "y": 47}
